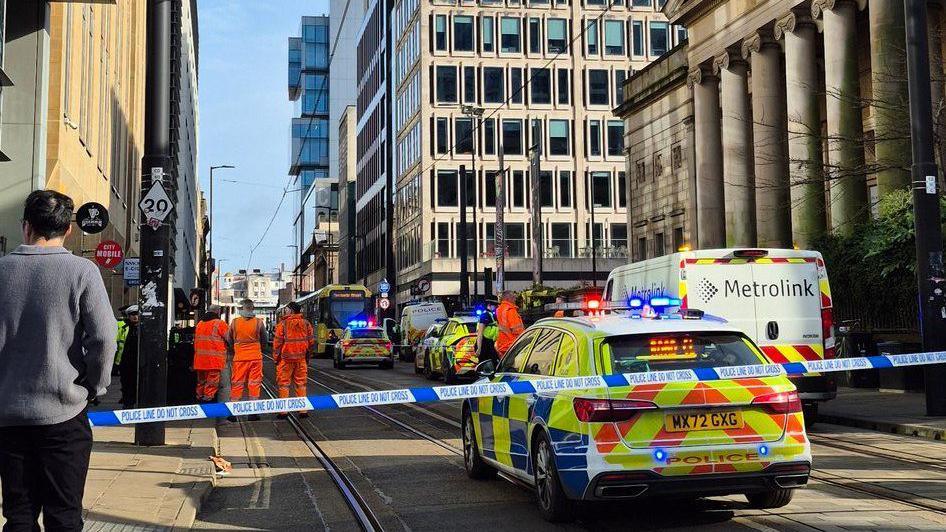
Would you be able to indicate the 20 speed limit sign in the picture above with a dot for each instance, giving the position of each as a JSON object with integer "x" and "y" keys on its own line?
{"x": 156, "y": 204}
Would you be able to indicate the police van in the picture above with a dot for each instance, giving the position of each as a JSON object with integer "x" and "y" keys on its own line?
{"x": 780, "y": 298}
{"x": 416, "y": 318}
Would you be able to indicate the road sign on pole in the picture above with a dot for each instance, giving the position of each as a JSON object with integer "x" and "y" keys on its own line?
{"x": 384, "y": 303}
{"x": 156, "y": 205}
{"x": 132, "y": 271}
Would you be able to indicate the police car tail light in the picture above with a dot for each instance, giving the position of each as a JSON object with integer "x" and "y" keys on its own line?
{"x": 607, "y": 410}
{"x": 388, "y": 345}
{"x": 779, "y": 403}
{"x": 827, "y": 332}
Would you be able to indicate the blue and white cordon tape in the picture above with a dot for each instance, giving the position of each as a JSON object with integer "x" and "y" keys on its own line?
{"x": 495, "y": 389}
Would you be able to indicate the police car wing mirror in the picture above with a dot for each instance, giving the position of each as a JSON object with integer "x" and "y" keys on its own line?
{"x": 486, "y": 368}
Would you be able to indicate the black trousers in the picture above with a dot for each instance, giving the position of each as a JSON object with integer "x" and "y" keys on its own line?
{"x": 43, "y": 468}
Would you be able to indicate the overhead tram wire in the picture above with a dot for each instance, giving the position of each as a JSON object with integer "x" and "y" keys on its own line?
{"x": 477, "y": 124}
{"x": 331, "y": 56}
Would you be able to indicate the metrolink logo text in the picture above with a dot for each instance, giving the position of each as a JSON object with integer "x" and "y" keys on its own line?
{"x": 782, "y": 288}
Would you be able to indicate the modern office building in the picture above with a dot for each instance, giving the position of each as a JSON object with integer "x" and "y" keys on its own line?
{"x": 314, "y": 193}
{"x": 190, "y": 271}
{"x": 372, "y": 147}
{"x": 546, "y": 72}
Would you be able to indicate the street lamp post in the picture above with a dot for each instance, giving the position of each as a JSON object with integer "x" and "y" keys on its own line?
{"x": 594, "y": 250}
{"x": 476, "y": 114}
{"x": 213, "y": 228}
{"x": 217, "y": 297}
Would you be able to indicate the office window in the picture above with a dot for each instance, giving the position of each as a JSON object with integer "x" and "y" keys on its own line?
{"x": 565, "y": 188}
{"x": 642, "y": 248}
{"x": 614, "y": 37}
{"x": 598, "y": 87}
{"x": 518, "y": 188}
{"x": 557, "y": 32}
{"x": 638, "y": 35}
{"x": 615, "y": 137}
{"x": 659, "y": 38}
{"x": 619, "y": 237}
{"x": 594, "y": 138}
{"x": 677, "y": 238}
{"x": 559, "y": 137}
{"x": 469, "y": 84}
{"x": 546, "y": 189}
{"x": 489, "y": 136}
{"x": 642, "y": 3}
{"x": 469, "y": 180}
{"x": 516, "y": 89}
{"x": 512, "y": 137}
{"x": 440, "y": 33}
{"x": 463, "y": 135}
{"x": 447, "y": 84}
{"x": 443, "y": 239}
{"x": 659, "y": 246}
{"x": 516, "y": 239}
{"x": 619, "y": 77}
{"x": 535, "y": 36}
{"x": 487, "y": 23}
{"x": 540, "y": 82}
{"x": 462, "y": 33}
{"x": 601, "y": 188}
{"x": 594, "y": 2}
{"x": 564, "y": 88}
{"x": 443, "y": 136}
{"x": 493, "y": 85}
{"x": 510, "y": 39}
{"x": 561, "y": 241}
{"x": 597, "y": 235}
{"x": 591, "y": 37}
{"x": 447, "y": 192}
{"x": 681, "y": 34}
{"x": 622, "y": 189}
{"x": 489, "y": 188}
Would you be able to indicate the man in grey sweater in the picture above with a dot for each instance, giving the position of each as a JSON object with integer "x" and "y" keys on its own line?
{"x": 57, "y": 342}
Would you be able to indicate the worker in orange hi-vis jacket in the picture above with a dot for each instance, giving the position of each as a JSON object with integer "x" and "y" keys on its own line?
{"x": 210, "y": 353}
{"x": 247, "y": 339}
{"x": 293, "y": 345}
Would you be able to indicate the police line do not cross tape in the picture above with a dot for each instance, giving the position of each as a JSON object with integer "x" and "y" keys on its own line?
{"x": 497, "y": 389}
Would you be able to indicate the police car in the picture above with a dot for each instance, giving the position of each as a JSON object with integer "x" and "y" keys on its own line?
{"x": 363, "y": 343}
{"x": 693, "y": 439}
{"x": 453, "y": 355}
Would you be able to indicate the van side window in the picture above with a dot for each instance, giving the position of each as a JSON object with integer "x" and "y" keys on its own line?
{"x": 608, "y": 289}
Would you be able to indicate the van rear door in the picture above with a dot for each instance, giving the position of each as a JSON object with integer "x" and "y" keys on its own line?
{"x": 714, "y": 285}
{"x": 788, "y": 304}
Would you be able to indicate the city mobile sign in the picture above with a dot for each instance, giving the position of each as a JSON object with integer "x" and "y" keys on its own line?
{"x": 109, "y": 254}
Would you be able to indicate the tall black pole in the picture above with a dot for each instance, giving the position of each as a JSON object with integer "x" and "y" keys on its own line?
{"x": 154, "y": 301}
{"x": 594, "y": 250}
{"x": 476, "y": 200}
{"x": 462, "y": 244}
{"x": 929, "y": 233}
{"x": 535, "y": 157}
{"x": 390, "y": 239}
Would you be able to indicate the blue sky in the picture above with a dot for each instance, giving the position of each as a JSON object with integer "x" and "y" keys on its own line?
{"x": 244, "y": 121}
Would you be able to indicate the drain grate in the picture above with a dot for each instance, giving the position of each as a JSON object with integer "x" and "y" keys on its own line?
{"x": 105, "y": 526}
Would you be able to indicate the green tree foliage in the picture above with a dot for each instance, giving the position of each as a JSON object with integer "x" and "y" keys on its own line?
{"x": 873, "y": 271}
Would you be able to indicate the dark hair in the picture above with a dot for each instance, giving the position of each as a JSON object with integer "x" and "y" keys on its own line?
{"x": 294, "y": 307}
{"x": 48, "y": 212}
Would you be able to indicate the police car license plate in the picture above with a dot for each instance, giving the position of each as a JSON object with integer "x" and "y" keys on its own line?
{"x": 686, "y": 422}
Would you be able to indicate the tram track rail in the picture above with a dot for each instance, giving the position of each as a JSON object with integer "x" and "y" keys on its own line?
{"x": 360, "y": 509}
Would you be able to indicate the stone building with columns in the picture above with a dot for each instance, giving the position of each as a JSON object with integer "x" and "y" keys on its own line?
{"x": 781, "y": 119}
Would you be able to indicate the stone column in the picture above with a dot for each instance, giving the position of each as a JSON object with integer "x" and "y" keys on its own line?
{"x": 845, "y": 167}
{"x": 739, "y": 182}
{"x": 803, "y": 90}
{"x": 889, "y": 101}
{"x": 710, "y": 214}
{"x": 772, "y": 199}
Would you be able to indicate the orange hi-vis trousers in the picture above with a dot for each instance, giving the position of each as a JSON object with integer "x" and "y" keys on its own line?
{"x": 293, "y": 372}
{"x": 249, "y": 372}
{"x": 208, "y": 382}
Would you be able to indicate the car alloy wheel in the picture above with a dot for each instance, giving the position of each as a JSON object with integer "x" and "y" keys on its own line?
{"x": 469, "y": 444}
{"x": 543, "y": 476}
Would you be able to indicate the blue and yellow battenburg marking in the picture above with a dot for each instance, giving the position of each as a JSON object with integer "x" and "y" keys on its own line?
{"x": 503, "y": 389}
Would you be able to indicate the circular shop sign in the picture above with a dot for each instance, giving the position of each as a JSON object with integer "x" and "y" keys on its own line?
{"x": 423, "y": 286}
{"x": 109, "y": 254}
{"x": 92, "y": 218}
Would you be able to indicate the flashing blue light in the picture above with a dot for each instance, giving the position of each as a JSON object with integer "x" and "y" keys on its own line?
{"x": 763, "y": 450}
{"x": 479, "y": 312}
{"x": 665, "y": 302}
{"x": 635, "y": 302}
{"x": 660, "y": 455}
{"x": 357, "y": 323}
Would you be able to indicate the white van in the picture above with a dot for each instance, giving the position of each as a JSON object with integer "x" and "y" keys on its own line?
{"x": 416, "y": 318}
{"x": 779, "y": 297}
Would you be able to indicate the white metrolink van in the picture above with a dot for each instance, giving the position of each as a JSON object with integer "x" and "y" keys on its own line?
{"x": 780, "y": 298}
